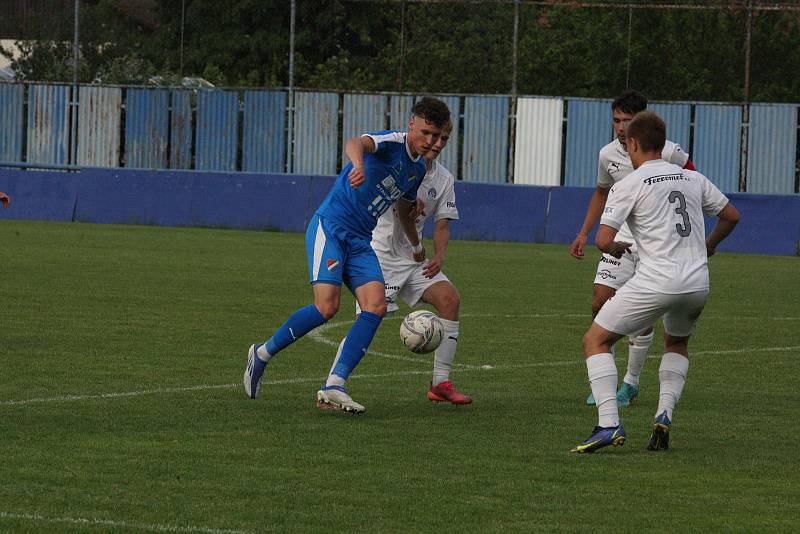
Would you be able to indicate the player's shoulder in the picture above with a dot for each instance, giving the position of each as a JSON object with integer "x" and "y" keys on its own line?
{"x": 674, "y": 153}
{"x": 387, "y": 136}
{"x": 440, "y": 173}
{"x": 612, "y": 150}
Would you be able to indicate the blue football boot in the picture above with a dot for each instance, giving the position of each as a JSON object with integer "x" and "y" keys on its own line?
{"x": 659, "y": 441}
{"x": 602, "y": 437}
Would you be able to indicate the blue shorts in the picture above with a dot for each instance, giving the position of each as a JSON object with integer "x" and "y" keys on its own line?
{"x": 336, "y": 255}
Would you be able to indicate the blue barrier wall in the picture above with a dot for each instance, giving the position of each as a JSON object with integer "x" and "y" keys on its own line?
{"x": 770, "y": 223}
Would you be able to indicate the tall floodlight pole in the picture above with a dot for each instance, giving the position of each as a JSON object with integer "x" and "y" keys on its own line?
{"x": 746, "y": 107}
{"x": 290, "y": 130}
{"x": 75, "y": 52}
{"x": 402, "y": 44}
{"x": 514, "y": 66}
{"x": 628, "y": 55}
{"x": 183, "y": 24}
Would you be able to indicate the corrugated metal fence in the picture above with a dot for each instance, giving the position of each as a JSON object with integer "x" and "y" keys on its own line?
{"x": 555, "y": 140}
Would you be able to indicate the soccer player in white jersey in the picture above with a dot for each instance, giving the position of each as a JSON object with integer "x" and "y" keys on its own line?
{"x": 414, "y": 282}
{"x": 663, "y": 205}
{"x": 612, "y": 273}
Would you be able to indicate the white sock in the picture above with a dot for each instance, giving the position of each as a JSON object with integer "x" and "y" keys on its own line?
{"x": 263, "y": 355}
{"x": 672, "y": 375}
{"x": 335, "y": 380}
{"x": 603, "y": 379}
{"x": 446, "y": 353}
{"x": 638, "y": 347}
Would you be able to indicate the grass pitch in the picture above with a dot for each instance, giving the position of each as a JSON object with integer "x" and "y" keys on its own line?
{"x": 121, "y": 407}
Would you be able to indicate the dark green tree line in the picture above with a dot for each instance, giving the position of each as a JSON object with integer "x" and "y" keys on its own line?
{"x": 439, "y": 47}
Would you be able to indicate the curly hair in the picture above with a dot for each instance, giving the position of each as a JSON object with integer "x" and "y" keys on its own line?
{"x": 433, "y": 111}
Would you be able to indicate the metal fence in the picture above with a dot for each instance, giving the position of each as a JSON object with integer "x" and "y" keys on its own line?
{"x": 498, "y": 139}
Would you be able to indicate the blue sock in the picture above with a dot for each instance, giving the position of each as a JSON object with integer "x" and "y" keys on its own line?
{"x": 299, "y": 324}
{"x": 355, "y": 346}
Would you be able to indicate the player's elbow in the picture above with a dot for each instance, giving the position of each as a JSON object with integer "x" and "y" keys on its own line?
{"x": 730, "y": 214}
{"x": 603, "y": 241}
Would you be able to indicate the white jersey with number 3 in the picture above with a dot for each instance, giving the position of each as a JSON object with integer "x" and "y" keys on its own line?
{"x": 663, "y": 205}
{"x": 615, "y": 164}
{"x": 437, "y": 192}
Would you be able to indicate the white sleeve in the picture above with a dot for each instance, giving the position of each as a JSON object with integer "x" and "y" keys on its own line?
{"x": 713, "y": 199}
{"x": 673, "y": 153}
{"x": 603, "y": 178}
{"x": 380, "y": 139}
{"x": 620, "y": 202}
{"x": 446, "y": 206}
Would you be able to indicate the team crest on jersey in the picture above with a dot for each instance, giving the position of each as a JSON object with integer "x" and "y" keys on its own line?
{"x": 332, "y": 264}
{"x": 432, "y": 193}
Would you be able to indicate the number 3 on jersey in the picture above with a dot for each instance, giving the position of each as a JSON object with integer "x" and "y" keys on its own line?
{"x": 686, "y": 228}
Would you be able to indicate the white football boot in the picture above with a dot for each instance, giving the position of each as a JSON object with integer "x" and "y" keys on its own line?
{"x": 336, "y": 398}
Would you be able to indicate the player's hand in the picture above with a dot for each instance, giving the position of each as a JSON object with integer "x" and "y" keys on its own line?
{"x": 419, "y": 257}
{"x": 419, "y": 209}
{"x": 618, "y": 248}
{"x": 5, "y": 199}
{"x": 432, "y": 268}
{"x": 356, "y": 175}
{"x": 576, "y": 248}
{"x": 710, "y": 251}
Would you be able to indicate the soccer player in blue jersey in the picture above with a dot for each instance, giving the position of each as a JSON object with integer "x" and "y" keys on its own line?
{"x": 385, "y": 169}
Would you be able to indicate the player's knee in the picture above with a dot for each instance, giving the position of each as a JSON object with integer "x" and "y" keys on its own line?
{"x": 378, "y": 308}
{"x": 449, "y": 303}
{"x": 328, "y": 309}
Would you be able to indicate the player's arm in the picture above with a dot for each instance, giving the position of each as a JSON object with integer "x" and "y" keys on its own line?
{"x": 606, "y": 243}
{"x": 593, "y": 212}
{"x": 441, "y": 238}
{"x": 404, "y": 208}
{"x": 355, "y": 149}
{"x": 5, "y": 199}
{"x": 727, "y": 219}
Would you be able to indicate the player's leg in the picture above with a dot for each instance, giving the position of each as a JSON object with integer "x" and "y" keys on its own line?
{"x": 363, "y": 275}
{"x": 324, "y": 257}
{"x": 679, "y": 324}
{"x": 627, "y": 312}
{"x": 602, "y": 371}
{"x": 638, "y": 344}
{"x": 600, "y": 294}
{"x": 444, "y": 296}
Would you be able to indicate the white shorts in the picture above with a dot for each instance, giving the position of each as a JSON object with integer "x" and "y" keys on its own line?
{"x": 406, "y": 281}
{"x": 631, "y": 311}
{"x": 613, "y": 272}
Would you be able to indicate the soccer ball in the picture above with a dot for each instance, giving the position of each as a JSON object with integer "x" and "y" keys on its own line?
{"x": 421, "y": 331}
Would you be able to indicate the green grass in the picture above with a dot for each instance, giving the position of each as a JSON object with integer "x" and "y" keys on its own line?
{"x": 89, "y": 313}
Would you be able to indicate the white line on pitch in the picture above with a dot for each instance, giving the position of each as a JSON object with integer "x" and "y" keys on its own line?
{"x": 166, "y": 391}
{"x": 115, "y": 524}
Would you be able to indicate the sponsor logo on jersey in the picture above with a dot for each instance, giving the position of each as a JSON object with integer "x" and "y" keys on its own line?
{"x": 605, "y": 274}
{"x": 332, "y": 264}
{"x": 387, "y": 287}
{"x": 609, "y": 260}
{"x": 664, "y": 178}
{"x": 432, "y": 193}
{"x": 613, "y": 168}
{"x": 412, "y": 176}
{"x": 451, "y": 204}
{"x": 608, "y": 209}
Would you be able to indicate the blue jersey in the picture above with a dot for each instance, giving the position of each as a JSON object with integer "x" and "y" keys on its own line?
{"x": 390, "y": 173}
